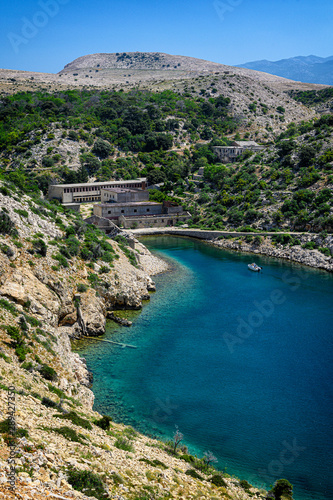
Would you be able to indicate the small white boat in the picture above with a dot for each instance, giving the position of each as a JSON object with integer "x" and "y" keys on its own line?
{"x": 254, "y": 267}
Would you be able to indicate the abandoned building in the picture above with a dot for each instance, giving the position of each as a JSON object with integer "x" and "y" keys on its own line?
{"x": 131, "y": 208}
{"x": 73, "y": 194}
{"x": 229, "y": 154}
{"x": 121, "y": 195}
{"x": 113, "y": 211}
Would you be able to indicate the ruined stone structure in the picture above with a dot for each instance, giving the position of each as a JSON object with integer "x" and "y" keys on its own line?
{"x": 229, "y": 154}
{"x": 103, "y": 224}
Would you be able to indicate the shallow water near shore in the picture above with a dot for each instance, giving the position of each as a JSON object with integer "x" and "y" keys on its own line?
{"x": 240, "y": 361}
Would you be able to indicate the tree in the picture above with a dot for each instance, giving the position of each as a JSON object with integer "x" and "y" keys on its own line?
{"x": 101, "y": 148}
{"x": 177, "y": 438}
{"x": 209, "y": 457}
{"x": 285, "y": 148}
{"x": 282, "y": 488}
{"x": 91, "y": 163}
{"x": 155, "y": 176}
{"x": 306, "y": 156}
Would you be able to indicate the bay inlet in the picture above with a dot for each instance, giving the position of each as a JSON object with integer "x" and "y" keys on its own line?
{"x": 241, "y": 362}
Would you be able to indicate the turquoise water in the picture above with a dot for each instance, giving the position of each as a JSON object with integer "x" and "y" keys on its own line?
{"x": 241, "y": 362}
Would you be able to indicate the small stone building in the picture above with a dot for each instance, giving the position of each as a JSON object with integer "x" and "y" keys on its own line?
{"x": 229, "y": 154}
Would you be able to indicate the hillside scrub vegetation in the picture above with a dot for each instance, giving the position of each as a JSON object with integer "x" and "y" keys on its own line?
{"x": 167, "y": 136}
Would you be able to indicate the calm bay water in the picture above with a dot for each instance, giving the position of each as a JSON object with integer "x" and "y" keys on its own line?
{"x": 241, "y": 362}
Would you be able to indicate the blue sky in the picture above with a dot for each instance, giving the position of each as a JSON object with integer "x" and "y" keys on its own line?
{"x": 44, "y": 35}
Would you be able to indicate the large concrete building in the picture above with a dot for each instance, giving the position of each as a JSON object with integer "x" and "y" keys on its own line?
{"x": 89, "y": 192}
{"x": 229, "y": 154}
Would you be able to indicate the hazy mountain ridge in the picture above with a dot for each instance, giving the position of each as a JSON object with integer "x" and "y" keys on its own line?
{"x": 310, "y": 69}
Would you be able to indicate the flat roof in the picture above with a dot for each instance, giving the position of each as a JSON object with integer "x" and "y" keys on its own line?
{"x": 228, "y": 147}
{"x": 140, "y": 179}
{"x": 121, "y": 190}
{"x": 246, "y": 143}
{"x": 129, "y": 204}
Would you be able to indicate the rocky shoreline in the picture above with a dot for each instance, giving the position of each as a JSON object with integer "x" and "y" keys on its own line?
{"x": 312, "y": 258}
{"x": 265, "y": 245}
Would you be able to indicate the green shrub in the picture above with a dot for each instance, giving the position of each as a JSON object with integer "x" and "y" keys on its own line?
{"x": 258, "y": 240}
{"x": 245, "y": 485}
{"x": 188, "y": 458}
{"x": 193, "y": 473}
{"x": 284, "y": 239}
{"x": 70, "y": 434}
{"x": 325, "y": 251}
{"x": 93, "y": 279}
{"x": 154, "y": 463}
{"x": 48, "y": 372}
{"x": 5, "y": 191}
{"x": 32, "y": 321}
{"x": 87, "y": 482}
{"x": 73, "y": 245}
{"x": 310, "y": 245}
{"x": 27, "y": 366}
{"x": 107, "y": 257}
{"x": 81, "y": 287}
{"x": 18, "y": 342}
{"x": 5, "y": 427}
{"x": 7, "y": 226}
{"x": 7, "y": 250}
{"x": 124, "y": 444}
{"x": 21, "y": 352}
{"x": 22, "y": 213}
{"x": 218, "y": 480}
{"x": 56, "y": 391}
{"x": 76, "y": 420}
{"x": 104, "y": 422}
{"x": 6, "y": 358}
{"x": 64, "y": 251}
{"x": 40, "y": 247}
{"x": 49, "y": 403}
{"x": 61, "y": 259}
{"x": 104, "y": 269}
{"x": 8, "y": 306}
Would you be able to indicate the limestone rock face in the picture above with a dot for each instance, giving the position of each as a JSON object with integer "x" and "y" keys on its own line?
{"x": 23, "y": 286}
{"x": 149, "y": 263}
{"x": 93, "y": 313}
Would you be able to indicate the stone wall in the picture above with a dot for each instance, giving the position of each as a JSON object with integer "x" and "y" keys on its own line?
{"x": 162, "y": 221}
